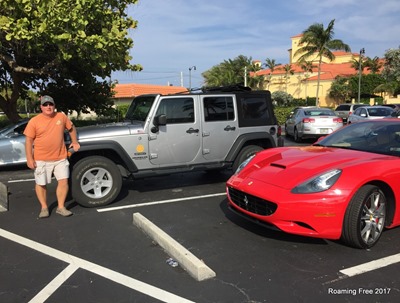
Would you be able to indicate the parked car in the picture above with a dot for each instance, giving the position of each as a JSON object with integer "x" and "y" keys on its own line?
{"x": 311, "y": 122}
{"x": 370, "y": 113}
{"x": 12, "y": 144}
{"x": 346, "y": 109}
{"x": 396, "y": 109}
{"x": 345, "y": 186}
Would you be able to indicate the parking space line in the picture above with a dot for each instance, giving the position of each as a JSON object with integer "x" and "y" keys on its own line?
{"x": 366, "y": 267}
{"x": 46, "y": 292}
{"x": 107, "y": 273}
{"x": 159, "y": 202}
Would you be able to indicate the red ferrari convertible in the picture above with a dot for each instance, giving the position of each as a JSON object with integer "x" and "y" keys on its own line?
{"x": 346, "y": 186}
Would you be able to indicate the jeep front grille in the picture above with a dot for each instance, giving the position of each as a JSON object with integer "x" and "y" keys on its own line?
{"x": 251, "y": 203}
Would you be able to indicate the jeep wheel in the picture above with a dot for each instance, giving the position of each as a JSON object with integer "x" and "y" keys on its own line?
{"x": 95, "y": 181}
{"x": 245, "y": 153}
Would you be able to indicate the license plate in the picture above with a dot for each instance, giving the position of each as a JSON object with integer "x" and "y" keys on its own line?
{"x": 324, "y": 130}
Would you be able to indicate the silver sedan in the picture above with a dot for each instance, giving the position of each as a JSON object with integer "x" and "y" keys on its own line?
{"x": 311, "y": 122}
{"x": 12, "y": 144}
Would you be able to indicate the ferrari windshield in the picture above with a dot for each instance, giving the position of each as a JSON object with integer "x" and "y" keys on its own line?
{"x": 139, "y": 108}
{"x": 378, "y": 136}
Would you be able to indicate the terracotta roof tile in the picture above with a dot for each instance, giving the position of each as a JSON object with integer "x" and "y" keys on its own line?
{"x": 329, "y": 71}
{"x": 133, "y": 90}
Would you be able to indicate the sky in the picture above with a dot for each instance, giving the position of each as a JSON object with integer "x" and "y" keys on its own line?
{"x": 177, "y": 40}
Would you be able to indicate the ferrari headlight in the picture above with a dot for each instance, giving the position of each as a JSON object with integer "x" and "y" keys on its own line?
{"x": 243, "y": 164}
{"x": 319, "y": 183}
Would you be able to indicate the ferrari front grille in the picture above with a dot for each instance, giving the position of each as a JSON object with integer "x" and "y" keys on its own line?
{"x": 252, "y": 203}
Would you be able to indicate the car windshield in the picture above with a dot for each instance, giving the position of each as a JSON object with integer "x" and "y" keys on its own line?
{"x": 319, "y": 112}
{"x": 380, "y": 112}
{"x": 139, "y": 108}
{"x": 5, "y": 130}
{"x": 378, "y": 136}
{"x": 344, "y": 107}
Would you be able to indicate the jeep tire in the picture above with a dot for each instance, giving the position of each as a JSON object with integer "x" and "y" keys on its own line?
{"x": 95, "y": 181}
{"x": 245, "y": 153}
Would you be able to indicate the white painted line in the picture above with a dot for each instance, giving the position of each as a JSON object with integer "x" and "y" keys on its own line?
{"x": 22, "y": 180}
{"x": 366, "y": 267}
{"x": 159, "y": 202}
{"x": 107, "y": 273}
{"x": 46, "y": 292}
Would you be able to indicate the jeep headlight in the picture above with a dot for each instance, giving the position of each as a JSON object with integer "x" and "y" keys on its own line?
{"x": 319, "y": 183}
{"x": 244, "y": 163}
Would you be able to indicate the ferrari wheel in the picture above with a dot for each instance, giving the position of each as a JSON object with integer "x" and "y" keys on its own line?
{"x": 365, "y": 217}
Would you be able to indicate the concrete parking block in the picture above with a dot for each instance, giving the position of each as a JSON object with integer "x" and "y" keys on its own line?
{"x": 194, "y": 266}
{"x": 3, "y": 197}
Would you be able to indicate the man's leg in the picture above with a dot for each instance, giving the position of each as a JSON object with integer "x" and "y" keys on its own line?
{"x": 62, "y": 192}
{"x": 41, "y": 193}
{"x": 61, "y": 172}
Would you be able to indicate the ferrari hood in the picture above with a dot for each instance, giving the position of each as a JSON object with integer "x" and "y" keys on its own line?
{"x": 287, "y": 167}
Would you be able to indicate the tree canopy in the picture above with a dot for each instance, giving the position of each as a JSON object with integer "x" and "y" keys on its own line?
{"x": 233, "y": 71}
{"x": 64, "y": 48}
{"x": 391, "y": 72}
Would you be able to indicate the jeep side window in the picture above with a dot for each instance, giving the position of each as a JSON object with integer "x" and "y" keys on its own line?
{"x": 218, "y": 109}
{"x": 254, "y": 111}
{"x": 177, "y": 110}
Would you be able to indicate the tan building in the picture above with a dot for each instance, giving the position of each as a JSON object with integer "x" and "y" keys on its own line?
{"x": 303, "y": 84}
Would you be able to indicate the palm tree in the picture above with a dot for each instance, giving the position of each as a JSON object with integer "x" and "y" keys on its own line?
{"x": 271, "y": 64}
{"x": 355, "y": 63}
{"x": 307, "y": 67}
{"x": 319, "y": 42}
{"x": 374, "y": 65}
{"x": 288, "y": 71}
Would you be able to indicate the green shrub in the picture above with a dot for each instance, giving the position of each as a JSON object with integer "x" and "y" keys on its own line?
{"x": 282, "y": 113}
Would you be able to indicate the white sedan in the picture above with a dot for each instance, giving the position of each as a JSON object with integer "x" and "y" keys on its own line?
{"x": 311, "y": 122}
{"x": 370, "y": 112}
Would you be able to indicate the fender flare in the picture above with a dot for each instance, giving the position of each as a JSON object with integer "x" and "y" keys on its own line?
{"x": 101, "y": 148}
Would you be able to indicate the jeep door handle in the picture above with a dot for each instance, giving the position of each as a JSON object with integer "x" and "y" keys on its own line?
{"x": 192, "y": 130}
{"x": 228, "y": 128}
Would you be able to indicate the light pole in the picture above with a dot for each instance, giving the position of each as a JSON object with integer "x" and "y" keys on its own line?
{"x": 362, "y": 52}
{"x": 190, "y": 76}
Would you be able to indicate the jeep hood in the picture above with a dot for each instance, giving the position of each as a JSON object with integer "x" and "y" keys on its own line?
{"x": 109, "y": 130}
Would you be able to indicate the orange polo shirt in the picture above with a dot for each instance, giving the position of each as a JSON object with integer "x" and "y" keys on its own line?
{"x": 48, "y": 135}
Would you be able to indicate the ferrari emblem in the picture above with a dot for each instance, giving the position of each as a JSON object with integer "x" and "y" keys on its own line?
{"x": 246, "y": 201}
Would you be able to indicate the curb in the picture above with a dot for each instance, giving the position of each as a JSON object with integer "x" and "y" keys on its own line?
{"x": 195, "y": 267}
{"x": 3, "y": 198}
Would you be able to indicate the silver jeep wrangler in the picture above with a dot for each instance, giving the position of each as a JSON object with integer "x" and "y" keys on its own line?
{"x": 165, "y": 134}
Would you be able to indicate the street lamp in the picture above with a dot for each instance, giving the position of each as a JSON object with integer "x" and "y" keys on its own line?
{"x": 362, "y": 52}
{"x": 190, "y": 76}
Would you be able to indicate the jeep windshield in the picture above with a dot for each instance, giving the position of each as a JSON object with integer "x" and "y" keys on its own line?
{"x": 139, "y": 108}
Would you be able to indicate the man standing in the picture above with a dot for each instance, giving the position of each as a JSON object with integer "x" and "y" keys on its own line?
{"x": 46, "y": 153}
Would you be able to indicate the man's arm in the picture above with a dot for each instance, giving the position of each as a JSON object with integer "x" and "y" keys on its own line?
{"x": 74, "y": 139}
{"x": 30, "y": 162}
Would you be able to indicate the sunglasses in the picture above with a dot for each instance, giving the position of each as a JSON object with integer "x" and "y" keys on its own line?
{"x": 47, "y": 104}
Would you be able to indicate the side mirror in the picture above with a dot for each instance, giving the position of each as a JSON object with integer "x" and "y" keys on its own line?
{"x": 160, "y": 120}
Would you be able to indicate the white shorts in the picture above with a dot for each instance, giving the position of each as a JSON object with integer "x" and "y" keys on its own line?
{"x": 45, "y": 169}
